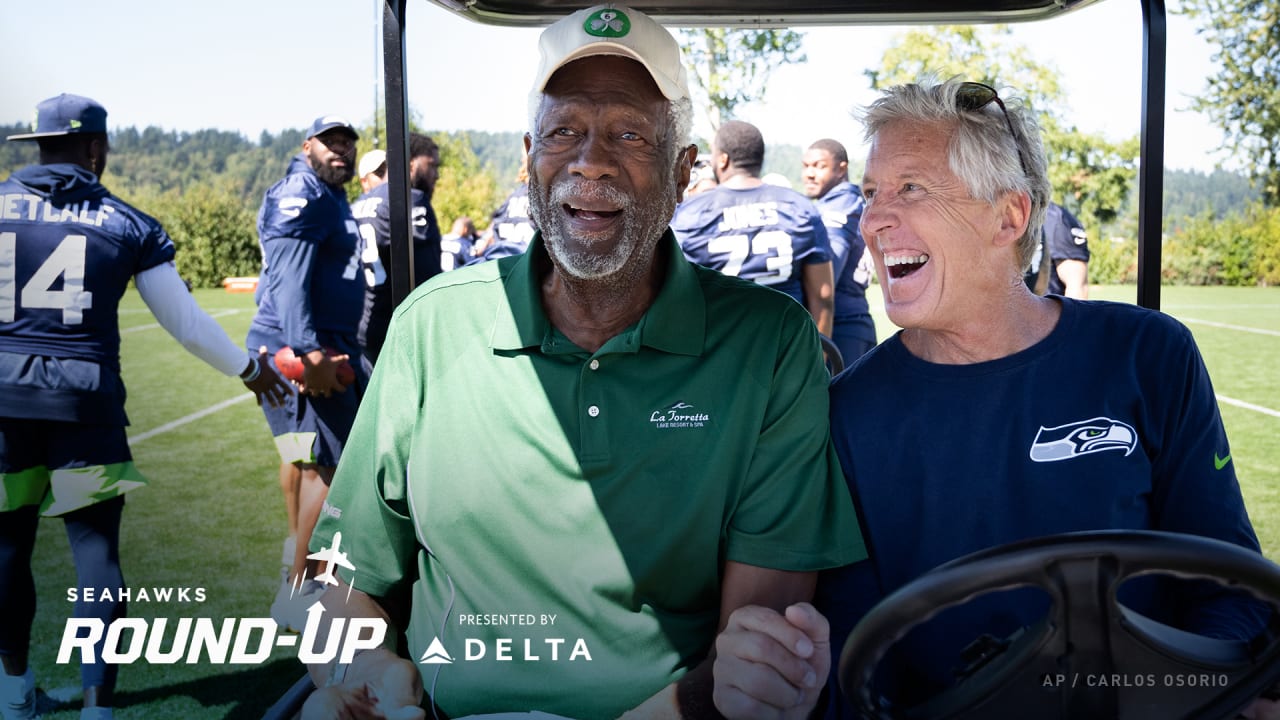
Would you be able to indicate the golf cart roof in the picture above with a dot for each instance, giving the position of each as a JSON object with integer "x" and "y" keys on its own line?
{"x": 775, "y": 13}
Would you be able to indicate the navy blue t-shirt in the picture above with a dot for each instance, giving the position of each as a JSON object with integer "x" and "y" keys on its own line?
{"x": 1121, "y": 432}
{"x": 765, "y": 233}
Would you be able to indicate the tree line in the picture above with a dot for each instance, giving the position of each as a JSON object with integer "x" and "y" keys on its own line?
{"x": 205, "y": 186}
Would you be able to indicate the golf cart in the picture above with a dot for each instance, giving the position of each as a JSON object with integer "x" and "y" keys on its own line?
{"x": 1086, "y": 631}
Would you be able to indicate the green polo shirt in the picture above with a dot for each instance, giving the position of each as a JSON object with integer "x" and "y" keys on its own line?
{"x": 564, "y": 515}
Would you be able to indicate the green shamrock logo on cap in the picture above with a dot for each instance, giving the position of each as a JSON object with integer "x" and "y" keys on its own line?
{"x": 607, "y": 24}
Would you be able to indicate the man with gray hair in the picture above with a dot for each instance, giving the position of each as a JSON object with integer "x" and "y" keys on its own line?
{"x": 944, "y": 449}
{"x": 657, "y": 451}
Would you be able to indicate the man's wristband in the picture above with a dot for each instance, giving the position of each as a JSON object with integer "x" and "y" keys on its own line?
{"x": 252, "y": 372}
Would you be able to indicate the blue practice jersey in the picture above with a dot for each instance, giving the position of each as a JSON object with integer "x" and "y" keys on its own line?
{"x": 511, "y": 224}
{"x": 841, "y": 210}
{"x": 311, "y": 279}
{"x": 373, "y": 213}
{"x": 455, "y": 251}
{"x": 1063, "y": 238}
{"x": 68, "y": 249}
{"x": 1110, "y": 422}
{"x": 763, "y": 234}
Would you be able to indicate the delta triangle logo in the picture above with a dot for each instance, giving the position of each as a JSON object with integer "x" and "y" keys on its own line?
{"x": 435, "y": 654}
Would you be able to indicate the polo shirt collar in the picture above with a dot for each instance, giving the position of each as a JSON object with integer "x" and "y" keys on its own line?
{"x": 675, "y": 322}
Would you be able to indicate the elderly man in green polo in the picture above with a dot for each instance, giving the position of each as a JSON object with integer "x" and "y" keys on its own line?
{"x": 655, "y": 450}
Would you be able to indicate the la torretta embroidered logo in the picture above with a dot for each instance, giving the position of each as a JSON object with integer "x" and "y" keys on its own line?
{"x": 679, "y": 415}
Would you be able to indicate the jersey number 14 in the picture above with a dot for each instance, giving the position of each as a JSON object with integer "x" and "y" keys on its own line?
{"x": 66, "y": 261}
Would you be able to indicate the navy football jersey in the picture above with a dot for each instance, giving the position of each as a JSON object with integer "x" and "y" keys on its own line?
{"x": 841, "y": 210}
{"x": 1064, "y": 238}
{"x": 311, "y": 277}
{"x": 763, "y": 234}
{"x": 455, "y": 251}
{"x": 511, "y": 223}
{"x": 68, "y": 249}
{"x": 373, "y": 213}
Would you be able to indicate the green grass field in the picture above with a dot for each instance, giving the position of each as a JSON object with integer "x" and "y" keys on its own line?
{"x": 213, "y": 518}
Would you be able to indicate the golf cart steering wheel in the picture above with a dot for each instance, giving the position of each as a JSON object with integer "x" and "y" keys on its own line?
{"x": 1086, "y": 633}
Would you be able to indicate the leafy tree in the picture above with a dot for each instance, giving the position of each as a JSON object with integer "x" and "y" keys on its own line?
{"x": 464, "y": 188}
{"x": 1244, "y": 97}
{"x": 731, "y": 66}
{"x": 1090, "y": 175}
{"x": 212, "y": 229}
{"x": 1189, "y": 193}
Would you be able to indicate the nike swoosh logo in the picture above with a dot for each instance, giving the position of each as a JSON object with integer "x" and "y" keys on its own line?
{"x": 1219, "y": 463}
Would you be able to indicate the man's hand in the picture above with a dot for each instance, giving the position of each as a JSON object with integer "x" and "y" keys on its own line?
{"x": 379, "y": 686}
{"x": 268, "y": 387}
{"x": 320, "y": 373}
{"x": 771, "y": 666}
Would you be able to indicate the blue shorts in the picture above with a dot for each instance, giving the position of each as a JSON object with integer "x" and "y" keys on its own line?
{"x": 63, "y": 466}
{"x": 307, "y": 429}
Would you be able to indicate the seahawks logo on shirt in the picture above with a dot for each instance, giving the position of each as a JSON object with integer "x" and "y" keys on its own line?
{"x": 1086, "y": 437}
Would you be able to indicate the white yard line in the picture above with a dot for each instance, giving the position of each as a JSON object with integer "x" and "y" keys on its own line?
{"x": 190, "y": 418}
{"x": 152, "y": 326}
{"x": 1226, "y": 326}
{"x": 1166, "y": 307}
{"x": 1248, "y": 406}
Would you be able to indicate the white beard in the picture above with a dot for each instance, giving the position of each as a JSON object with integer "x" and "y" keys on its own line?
{"x": 643, "y": 224}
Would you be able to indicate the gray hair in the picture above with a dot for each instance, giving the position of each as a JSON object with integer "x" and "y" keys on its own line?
{"x": 679, "y": 122}
{"x": 982, "y": 153}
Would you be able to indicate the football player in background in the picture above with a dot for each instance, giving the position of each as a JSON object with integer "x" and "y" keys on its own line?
{"x": 309, "y": 298}
{"x": 510, "y": 228}
{"x": 456, "y": 247}
{"x": 1061, "y": 263}
{"x": 68, "y": 249}
{"x": 373, "y": 212}
{"x": 825, "y": 175}
{"x": 745, "y": 227}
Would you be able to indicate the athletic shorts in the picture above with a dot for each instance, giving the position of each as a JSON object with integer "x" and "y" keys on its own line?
{"x": 63, "y": 466}
{"x": 307, "y": 429}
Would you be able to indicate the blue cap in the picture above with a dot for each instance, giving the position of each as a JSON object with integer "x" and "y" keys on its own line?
{"x": 66, "y": 115}
{"x": 329, "y": 122}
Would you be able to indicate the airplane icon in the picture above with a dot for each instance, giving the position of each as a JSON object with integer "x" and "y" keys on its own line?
{"x": 332, "y": 556}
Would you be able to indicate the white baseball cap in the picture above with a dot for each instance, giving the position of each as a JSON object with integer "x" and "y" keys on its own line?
{"x": 371, "y": 161}
{"x": 614, "y": 30}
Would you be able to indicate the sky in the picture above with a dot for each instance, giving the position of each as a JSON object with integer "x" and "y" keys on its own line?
{"x": 255, "y": 65}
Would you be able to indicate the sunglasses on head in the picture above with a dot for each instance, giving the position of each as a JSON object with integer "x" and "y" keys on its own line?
{"x": 973, "y": 96}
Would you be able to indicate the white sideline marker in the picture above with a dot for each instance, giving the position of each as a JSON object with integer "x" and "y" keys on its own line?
{"x": 1247, "y": 406}
{"x": 190, "y": 418}
{"x": 1226, "y": 326}
{"x": 153, "y": 326}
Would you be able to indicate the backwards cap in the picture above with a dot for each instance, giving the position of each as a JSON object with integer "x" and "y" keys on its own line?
{"x": 370, "y": 162}
{"x": 66, "y": 114}
{"x": 614, "y": 30}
